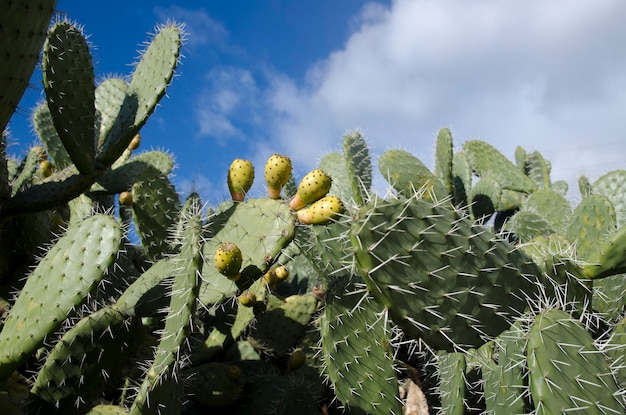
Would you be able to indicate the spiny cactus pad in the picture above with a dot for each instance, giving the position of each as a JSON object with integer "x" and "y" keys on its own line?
{"x": 355, "y": 342}
{"x": 567, "y": 373}
{"x": 60, "y": 283}
{"x": 443, "y": 279}
{"x": 68, "y": 79}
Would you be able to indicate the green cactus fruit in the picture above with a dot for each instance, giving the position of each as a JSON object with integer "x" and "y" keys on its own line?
{"x": 228, "y": 260}
{"x": 322, "y": 211}
{"x": 297, "y": 359}
{"x": 247, "y": 298}
{"x": 567, "y": 372}
{"x": 240, "y": 179}
{"x": 313, "y": 186}
{"x": 46, "y": 168}
{"x": 277, "y": 173}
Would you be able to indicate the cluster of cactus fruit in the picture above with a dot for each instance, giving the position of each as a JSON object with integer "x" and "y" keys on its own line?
{"x": 473, "y": 288}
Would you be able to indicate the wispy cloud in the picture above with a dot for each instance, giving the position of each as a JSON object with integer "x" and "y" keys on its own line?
{"x": 550, "y": 76}
{"x": 202, "y": 28}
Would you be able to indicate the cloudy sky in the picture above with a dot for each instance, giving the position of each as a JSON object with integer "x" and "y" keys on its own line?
{"x": 288, "y": 76}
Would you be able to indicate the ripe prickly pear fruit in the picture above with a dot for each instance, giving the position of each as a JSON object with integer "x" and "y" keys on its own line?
{"x": 126, "y": 199}
{"x": 312, "y": 187}
{"x": 247, "y": 298}
{"x": 228, "y": 260}
{"x": 134, "y": 143}
{"x": 322, "y": 211}
{"x": 277, "y": 173}
{"x": 46, "y": 168}
{"x": 240, "y": 178}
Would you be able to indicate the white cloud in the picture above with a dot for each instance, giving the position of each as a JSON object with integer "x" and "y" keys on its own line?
{"x": 227, "y": 101}
{"x": 547, "y": 75}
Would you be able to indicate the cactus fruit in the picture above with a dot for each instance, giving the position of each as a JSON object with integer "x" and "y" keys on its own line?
{"x": 247, "y": 298}
{"x": 126, "y": 199}
{"x": 45, "y": 168}
{"x": 240, "y": 179}
{"x": 313, "y": 186}
{"x": 322, "y": 211}
{"x": 277, "y": 173}
{"x": 228, "y": 260}
{"x": 135, "y": 142}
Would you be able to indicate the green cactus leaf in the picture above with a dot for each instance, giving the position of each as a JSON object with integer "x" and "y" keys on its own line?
{"x": 155, "y": 208}
{"x": 47, "y": 133}
{"x": 443, "y": 159}
{"x": 282, "y": 325}
{"x": 485, "y": 198}
{"x": 538, "y": 169}
{"x": 613, "y": 186}
{"x": 68, "y": 80}
{"x": 74, "y": 368}
{"x": 451, "y": 371}
{"x": 552, "y": 206}
{"x": 444, "y": 279}
{"x": 567, "y": 373}
{"x": 607, "y": 258}
{"x": 59, "y": 283}
{"x": 461, "y": 178}
{"x": 487, "y": 160}
{"x": 159, "y": 388}
{"x": 359, "y": 166}
{"x": 23, "y": 28}
{"x": 408, "y": 175}
{"x": 122, "y": 177}
{"x": 261, "y": 228}
{"x": 335, "y": 165}
{"x": 355, "y": 341}
{"x": 593, "y": 220}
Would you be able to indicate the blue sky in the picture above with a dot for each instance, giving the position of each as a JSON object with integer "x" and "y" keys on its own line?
{"x": 266, "y": 76}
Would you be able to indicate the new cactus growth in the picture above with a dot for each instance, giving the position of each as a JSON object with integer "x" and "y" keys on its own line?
{"x": 277, "y": 173}
{"x": 313, "y": 186}
{"x": 228, "y": 260}
{"x": 240, "y": 179}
